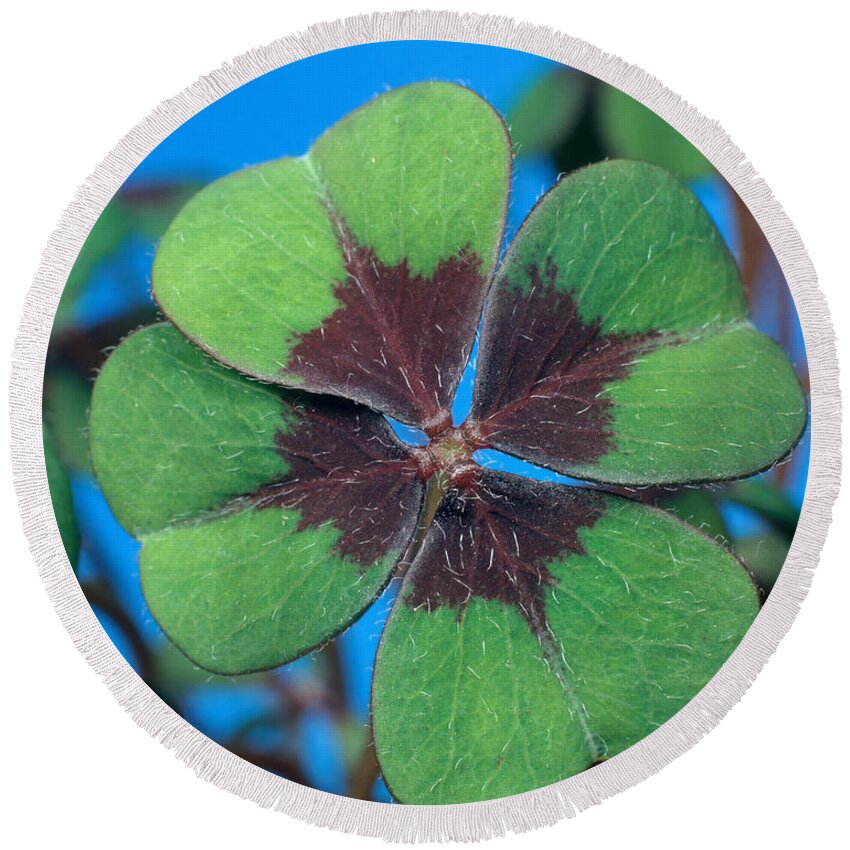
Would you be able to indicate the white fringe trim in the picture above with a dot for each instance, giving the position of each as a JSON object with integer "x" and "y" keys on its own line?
{"x": 471, "y": 821}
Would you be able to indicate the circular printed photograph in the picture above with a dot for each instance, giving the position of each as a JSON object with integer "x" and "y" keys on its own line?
{"x": 426, "y": 422}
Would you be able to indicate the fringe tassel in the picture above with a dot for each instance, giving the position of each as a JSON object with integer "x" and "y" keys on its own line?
{"x": 474, "y": 821}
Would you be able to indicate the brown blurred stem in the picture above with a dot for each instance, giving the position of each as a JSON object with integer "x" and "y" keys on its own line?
{"x": 282, "y": 765}
{"x": 365, "y": 772}
{"x": 100, "y": 595}
{"x": 336, "y": 676}
{"x": 297, "y": 700}
{"x": 752, "y": 247}
{"x": 754, "y": 253}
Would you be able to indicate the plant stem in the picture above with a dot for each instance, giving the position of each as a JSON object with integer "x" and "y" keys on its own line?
{"x": 435, "y": 489}
{"x": 365, "y": 772}
{"x": 100, "y": 595}
{"x": 276, "y": 763}
{"x": 753, "y": 245}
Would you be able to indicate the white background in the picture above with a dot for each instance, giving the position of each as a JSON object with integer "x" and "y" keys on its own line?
{"x": 77, "y": 77}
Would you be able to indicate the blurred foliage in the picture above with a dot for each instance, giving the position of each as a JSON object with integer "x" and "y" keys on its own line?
{"x": 60, "y": 495}
{"x": 767, "y": 501}
{"x": 109, "y": 231}
{"x": 764, "y": 554}
{"x": 66, "y": 405}
{"x": 144, "y": 214}
{"x": 578, "y": 120}
{"x": 635, "y": 132}
{"x": 548, "y": 112}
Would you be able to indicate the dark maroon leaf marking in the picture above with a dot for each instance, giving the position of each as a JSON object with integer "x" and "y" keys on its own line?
{"x": 492, "y": 539}
{"x": 400, "y": 341}
{"x": 540, "y": 373}
{"x": 348, "y": 469}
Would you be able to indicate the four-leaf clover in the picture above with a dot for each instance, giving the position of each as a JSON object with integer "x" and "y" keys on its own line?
{"x": 539, "y": 628}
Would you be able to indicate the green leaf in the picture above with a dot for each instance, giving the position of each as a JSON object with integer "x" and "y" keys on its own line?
{"x": 631, "y": 360}
{"x": 174, "y": 435}
{"x": 175, "y": 673}
{"x": 633, "y": 131}
{"x": 268, "y": 521}
{"x": 249, "y": 591}
{"x": 548, "y": 111}
{"x": 542, "y": 629}
{"x": 317, "y": 272}
{"x": 719, "y": 407}
{"x": 60, "y": 496}
{"x": 419, "y": 173}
